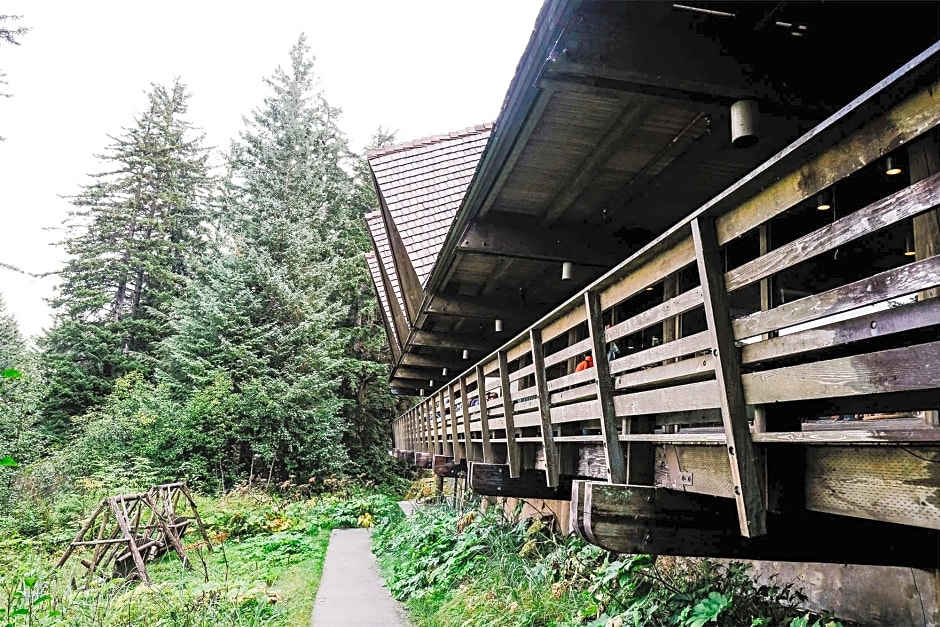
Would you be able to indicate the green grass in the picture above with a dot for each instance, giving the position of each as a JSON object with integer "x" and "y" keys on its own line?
{"x": 264, "y": 569}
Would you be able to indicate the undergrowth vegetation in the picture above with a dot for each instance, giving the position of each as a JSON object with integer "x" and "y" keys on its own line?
{"x": 463, "y": 566}
{"x": 262, "y": 566}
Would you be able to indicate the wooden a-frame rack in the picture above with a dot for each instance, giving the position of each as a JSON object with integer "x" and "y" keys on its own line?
{"x": 126, "y": 531}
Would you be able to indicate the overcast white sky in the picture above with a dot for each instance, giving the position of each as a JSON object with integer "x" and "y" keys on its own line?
{"x": 418, "y": 67}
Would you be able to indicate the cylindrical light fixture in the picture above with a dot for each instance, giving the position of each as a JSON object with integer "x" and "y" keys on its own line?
{"x": 498, "y": 325}
{"x": 444, "y": 372}
{"x": 823, "y": 201}
{"x": 745, "y": 123}
{"x": 421, "y": 392}
{"x": 892, "y": 167}
{"x": 909, "y": 246}
{"x": 431, "y": 383}
{"x": 466, "y": 354}
{"x": 566, "y": 269}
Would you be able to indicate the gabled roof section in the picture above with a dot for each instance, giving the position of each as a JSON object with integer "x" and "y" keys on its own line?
{"x": 422, "y": 184}
{"x": 376, "y": 273}
{"x": 384, "y": 253}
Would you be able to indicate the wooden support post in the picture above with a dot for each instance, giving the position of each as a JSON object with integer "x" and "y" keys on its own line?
{"x": 615, "y": 467}
{"x": 428, "y": 417}
{"x": 120, "y": 512}
{"x": 513, "y": 453}
{"x": 924, "y": 161}
{"x": 443, "y": 444}
{"x": 545, "y": 408}
{"x": 465, "y": 411}
{"x": 484, "y": 417}
{"x": 766, "y": 304}
{"x": 752, "y": 514}
{"x": 456, "y": 450}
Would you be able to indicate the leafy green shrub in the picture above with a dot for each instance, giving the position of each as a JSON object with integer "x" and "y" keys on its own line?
{"x": 464, "y": 567}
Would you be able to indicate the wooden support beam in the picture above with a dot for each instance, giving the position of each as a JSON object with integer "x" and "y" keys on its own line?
{"x": 447, "y": 340}
{"x": 484, "y": 417}
{"x": 612, "y": 140}
{"x": 446, "y": 466}
{"x": 496, "y": 480}
{"x": 545, "y": 408}
{"x": 434, "y": 361}
{"x": 752, "y": 515}
{"x": 513, "y": 237}
{"x": 476, "y": 307}
{"x": 513, "y": 453}
{"x": 924, "y": 163}
{"x": 657, "y": 521}
{"x": 412, "y": 292}
{"x": 612, "y": 449}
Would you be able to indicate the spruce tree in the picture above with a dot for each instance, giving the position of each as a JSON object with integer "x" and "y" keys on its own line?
{"x": 12, "y": 347}
{"x": 286, "y": 315}
{"x": 134, "y": 235}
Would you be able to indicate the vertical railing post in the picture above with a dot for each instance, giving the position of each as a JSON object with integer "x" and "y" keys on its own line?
{"x": 545, "y": 408}
{"x": 429, "y": 415}
{"x": 748, "y": 494}
{"x": 454, "y": 444}
{"x": 605, "y": 397}
{"x": 512, "y": 449}
{"x": 484, "y": 417}
{"x": 465, "y": 411}
{"x": 439, "y": 433}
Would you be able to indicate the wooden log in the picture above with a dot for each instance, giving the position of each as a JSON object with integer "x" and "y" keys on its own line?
{"x": 446, "y": 466}
{"x": 120, "y": 513}
{"x": 495, "y": 480}
{"x": 657, "y": 521}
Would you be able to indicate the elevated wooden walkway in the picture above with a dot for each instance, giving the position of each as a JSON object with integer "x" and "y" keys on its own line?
{"x": 723, "y": 349}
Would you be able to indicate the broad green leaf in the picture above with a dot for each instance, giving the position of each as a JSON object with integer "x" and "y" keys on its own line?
{"x": 11, "y": 373}
{"x": 8, "y": 462}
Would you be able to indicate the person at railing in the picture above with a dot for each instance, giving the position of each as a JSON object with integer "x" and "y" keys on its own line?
{"x": 584, "y": 364}
{"x": 613, "y": 351}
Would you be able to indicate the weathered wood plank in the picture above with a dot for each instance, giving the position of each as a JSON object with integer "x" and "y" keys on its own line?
{"x": 752, "y": 516}
{"x": 671, "y": 350}
{"x": 906, "y": 279}
{"x": 892, "y": 370}
{"x": 907, "y": 317}
{"x": 676, "y": 372}
{"x": 513, "y": 454}
{"x": 568, "y": 352}
{"x": 608, "y": 417}
{"x": 902, "y": 205}
{"x": 691, "y": 396}
{"x": 545, "y": 408}
{"x": 654, "y": 315}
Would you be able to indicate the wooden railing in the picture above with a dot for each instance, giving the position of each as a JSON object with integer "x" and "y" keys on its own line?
{"x": 693, "y": 346}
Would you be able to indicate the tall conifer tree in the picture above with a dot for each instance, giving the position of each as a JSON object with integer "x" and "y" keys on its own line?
{"x": 134, "y": 236}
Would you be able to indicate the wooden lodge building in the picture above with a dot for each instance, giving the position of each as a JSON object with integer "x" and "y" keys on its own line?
{"x": 733, "y": 208}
